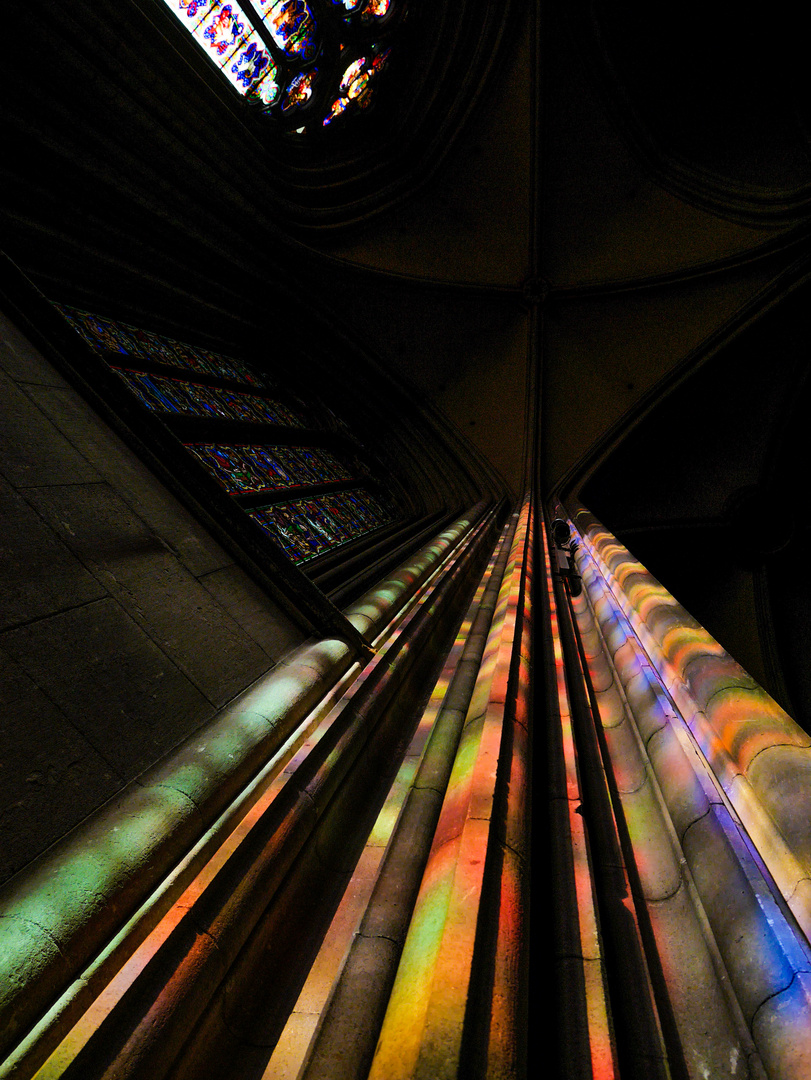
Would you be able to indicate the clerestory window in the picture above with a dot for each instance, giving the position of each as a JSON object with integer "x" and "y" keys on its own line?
{"x": 304, "y": 482}
{"x": 305, "y": 63}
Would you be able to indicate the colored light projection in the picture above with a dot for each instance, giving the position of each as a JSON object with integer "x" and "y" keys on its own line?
{"x": 128, "y": 340}
{"x": 308, "y": 527}
{"x": 741, "y": 731}
{"x": 678, "y": 683}
{"x": 251, "y": 469}
{"x": 227, "y": 36}
{"x": 356, "y": 88}
{"x": 423, "y": 1025}
{"x": 579, "y": 879}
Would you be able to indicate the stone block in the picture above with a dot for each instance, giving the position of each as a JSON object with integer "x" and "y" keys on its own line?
{"x": 657, "y": 862}
{"x": 714, "y": 1045}
{"x": 683, "y": 794}
{"x": 155, "y": 589}
{"x": 132, "y": 479}
{"x": 782, "y": 1031}
{"x": 123, "y": 694}
{"x": 754, "y": 959}
{"x": 33, "y": 452}
{"x": 21, "y": 361}
{"x": 39, "y": 575}
{"x": 254, "y": 611}
{"x": 51, "y": 777}
{"x": 781, "y": 776}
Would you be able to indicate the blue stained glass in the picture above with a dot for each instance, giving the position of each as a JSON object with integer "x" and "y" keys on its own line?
{"x": 291, "y": 25}
{"x": 300, "y": 90}
{"x": 98, "y": 332}
{"x": 163, "y": 395}
{"x": 221, "y": 31}
{"x": 357, "y": 84}
{"x": 292, "y": 529}
{"x": 249, "y": 469}
{"x": 174, "y": 395}
{"x": 227, "y": 35}
{"x": 307, "y": 527}
{"x": 131, "y": 341}
{"x": 256, "y": 67}
{"x": 251, "y": 70}
{"x": 321, "y": 466}
{"x": 303, "y": 528}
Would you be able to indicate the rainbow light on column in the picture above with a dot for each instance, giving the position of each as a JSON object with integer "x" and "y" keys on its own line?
{"x": 760, "y": 756}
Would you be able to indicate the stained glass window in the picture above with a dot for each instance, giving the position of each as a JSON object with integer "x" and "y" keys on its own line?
{"x": 130, "y": 341}
{"x": 252, "y": 469}
{"x": 305, "y": 528}
{"x": 356, "y": 85}
{"x": 313, "y": 60}
{"x": 186, "y": 384}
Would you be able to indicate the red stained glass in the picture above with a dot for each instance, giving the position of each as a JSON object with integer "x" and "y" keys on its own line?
{"x": 356, "y": 87}
{"x": 307, "y": 527}
{"x": 302, "y": 528}
{"x": 300, "y": 90}
{"x": 291, "y": 25}
{"x": 375, "y": 9}
{"x": 252, "y": 49}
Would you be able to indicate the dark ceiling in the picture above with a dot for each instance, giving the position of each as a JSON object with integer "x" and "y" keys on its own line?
{"x": 595, "y": 218}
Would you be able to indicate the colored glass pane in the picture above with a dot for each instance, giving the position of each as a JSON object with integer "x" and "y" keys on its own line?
{"x": 130, "y": 341}
{"x": 306, "y": 527}
{"x": 226, "y": 35}
{"x": 221, "y": 31}
{"x": 100, "y": 333}
{"x": 152, "y": 347}
{"x": 300, "y": 90}
{"x": 375, "y": 9}
{"x": 251, "y": 469}
{"x": 291, "y": 528}
{"x": 174, "y": 395}
{"x": 291, "y": 25}
{"x": 161, "y": 395}
{"x": 252, "y": 49}
{"x": 252, "y": 71}
{"x": 356, "y": 85}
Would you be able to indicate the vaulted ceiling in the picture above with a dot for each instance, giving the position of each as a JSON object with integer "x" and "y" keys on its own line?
{"x": 579, "y": 229}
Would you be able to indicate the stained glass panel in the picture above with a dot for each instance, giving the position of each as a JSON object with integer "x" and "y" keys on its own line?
{"x": 300, "y": 90}
{"x": 291, "y": 25}
{"x": 263, "y": 51}
{"x": 226, "y": 34}
{"x": 375, "y": 9}
{"x": 252, "y": 469}
{"x": 356, "y": 87}
{"x": 252, "y": 70}
{"x": 130, "y": 341}
{"x": 307, "y": 527}
{"x": 162, "y": 394}
{"x": 222, "y": 30}
{"x": 303, "y": 528}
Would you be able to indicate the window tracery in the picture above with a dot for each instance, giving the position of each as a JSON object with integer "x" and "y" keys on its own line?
{"x": 316, "y": 59}
{"x": 259, "y": 443}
